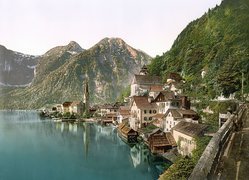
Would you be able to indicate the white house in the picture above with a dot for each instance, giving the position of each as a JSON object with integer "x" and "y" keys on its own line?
{"x": 173, "y": 116}
{"x": 142, "y": 110}
{"x": 123, "y": 113}
{"x": 142, "y": 84}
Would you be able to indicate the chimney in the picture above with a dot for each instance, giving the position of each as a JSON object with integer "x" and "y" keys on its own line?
{"x": 150, "y": 99}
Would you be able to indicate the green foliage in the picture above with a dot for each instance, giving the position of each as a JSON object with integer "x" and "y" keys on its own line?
{"x": 201, "y": 144}
{"x": 67, "y": 115}
{"x": 124, "y": 93}
{"x": 184, "y": 166}
{"x": 217, "y": 43}
{"x": 212, "y": 120}
{"x": 181, "y": 169}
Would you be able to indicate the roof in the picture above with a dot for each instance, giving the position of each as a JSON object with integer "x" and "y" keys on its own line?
{"x": 125, "y": 129}
{"x": 75, "y": 103}
{"x": 171, "y": 139}
{"x": 155, "y": 131}
{"x": 158, "y": 116}
{"x": 179, "y": 113}
{"x": 65, "y": 104}
{"x": 174, "y": 113}
{"x": 167, "y": 95}
{"x": 108, "y": 106}
{"x": 142, "y": 102}
{"x": 160, "y": 138}
{"x": 147, "y": 79}
{"x": 190, "y": 129}
{"x": 156, "y": 88}
{"x": 187, "y": 111}
{"x": 124, "y": 110}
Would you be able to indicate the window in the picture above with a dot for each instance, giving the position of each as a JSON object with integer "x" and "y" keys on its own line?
{"x": 174, "y": 123}
{"x": 169, "y": 126}
{"x": 150, "y": 118}
{"x": 167, "y": 122}
{"x": 145, "y": 118}
{"x": 145, "y": 111}
{"x": 150, "y": 111}
{"x": 154, "y": 111}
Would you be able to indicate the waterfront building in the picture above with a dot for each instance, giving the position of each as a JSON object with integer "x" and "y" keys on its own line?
{"x": 160, "y": 142}
{"x": 142, "y": 110}
{"x": 185, "y": 134}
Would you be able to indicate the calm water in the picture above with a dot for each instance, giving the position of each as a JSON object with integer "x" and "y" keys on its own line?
{"x": 31, "y": 148}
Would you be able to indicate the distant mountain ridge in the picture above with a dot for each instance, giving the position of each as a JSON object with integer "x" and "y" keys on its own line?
{"x": 16, "y": 69}
{"x": 62, "y": 71}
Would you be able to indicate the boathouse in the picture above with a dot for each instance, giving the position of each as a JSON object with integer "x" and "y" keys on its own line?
{"x": 127, "y": 134}
{"x": 160, "y": 142}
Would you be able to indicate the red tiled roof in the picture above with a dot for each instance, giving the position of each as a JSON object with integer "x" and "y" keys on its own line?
{"x": 143, "y": 103}
{"x": 156, "y": 88}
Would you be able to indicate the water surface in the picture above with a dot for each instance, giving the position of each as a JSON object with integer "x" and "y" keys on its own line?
{"x": 35, "y": 149}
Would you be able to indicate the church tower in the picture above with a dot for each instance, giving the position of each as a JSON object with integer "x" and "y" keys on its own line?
{"x": 144, "y": 70}
{"x": 86, "y": 97}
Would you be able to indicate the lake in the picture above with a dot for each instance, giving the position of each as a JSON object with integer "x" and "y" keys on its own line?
{"x": 35, "y": 149}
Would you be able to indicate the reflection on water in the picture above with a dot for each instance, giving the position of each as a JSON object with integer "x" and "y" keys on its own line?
{"x": 38, "y": 149}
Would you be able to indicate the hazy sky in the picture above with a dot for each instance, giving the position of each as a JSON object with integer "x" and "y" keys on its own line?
{"x": 35, "y": 26}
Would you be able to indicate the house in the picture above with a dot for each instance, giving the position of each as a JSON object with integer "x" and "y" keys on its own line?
{"x": 142, "y": 110}
{"x": 108, "y": 109}
{"x": 142, "y": 84}
{"x": 157, "y": 120}
{"x": 174, "y": 81}
{"x": 173, "y": 116}
{"x": 155, "y": 90}
{"x": 168, "y": 100}
{"x": 126, "y": 133}
{"x": 59, "y": 108}
{"x": 123, "y": 113}
{"x": 185, "y": 133}
{"x": 160, "y": 142}
{"x": 76, "y": 107}
{"x": 66, "y": 107}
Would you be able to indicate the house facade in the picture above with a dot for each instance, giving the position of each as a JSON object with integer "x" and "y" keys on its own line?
{"x": 142, "y": 111}
{"x": 142, "y": 84}
{"x": 77, "y": 107}
{"x": 123, "y": 113}
{"x": 173, "y": 116}
{"x": 66, "y": 107}
{"x": 185, "y": 133}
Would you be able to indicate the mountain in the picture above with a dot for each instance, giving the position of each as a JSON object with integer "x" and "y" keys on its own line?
{"x": 216, "y": 46}
{"x": 16, "y": 69}
{"x": 61, "y": 73}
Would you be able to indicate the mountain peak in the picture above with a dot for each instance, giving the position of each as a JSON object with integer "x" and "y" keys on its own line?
{"x": 74, "y": 46}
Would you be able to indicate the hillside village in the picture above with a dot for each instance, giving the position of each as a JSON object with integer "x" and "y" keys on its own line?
{"x": 157, "y": 113}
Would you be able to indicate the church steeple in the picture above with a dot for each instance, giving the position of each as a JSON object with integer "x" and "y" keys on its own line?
{"x": 144, "y": 70}
{"x": 86, "y": 96}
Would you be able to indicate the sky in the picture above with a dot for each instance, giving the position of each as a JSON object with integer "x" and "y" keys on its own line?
{"x": 35, "y": 26}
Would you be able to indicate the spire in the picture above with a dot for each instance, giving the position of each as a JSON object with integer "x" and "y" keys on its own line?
{"x": 86, "y": 96}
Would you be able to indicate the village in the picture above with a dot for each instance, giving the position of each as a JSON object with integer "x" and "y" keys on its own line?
{"x": 156, "y": 113}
